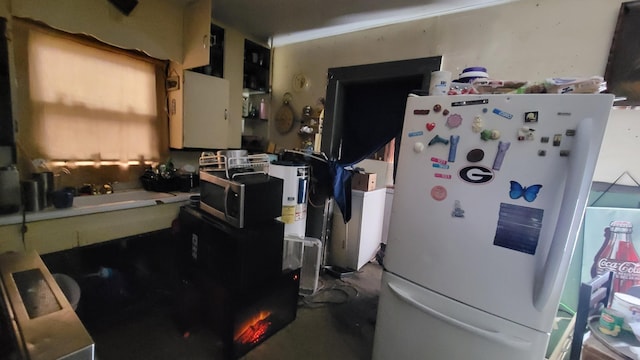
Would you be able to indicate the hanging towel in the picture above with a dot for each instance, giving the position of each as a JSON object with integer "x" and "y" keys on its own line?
{"x": 342, "y": 189}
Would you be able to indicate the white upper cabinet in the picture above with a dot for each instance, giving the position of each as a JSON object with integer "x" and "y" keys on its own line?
{"x": 206, "y": 112}
{"x": 196, "y": 32}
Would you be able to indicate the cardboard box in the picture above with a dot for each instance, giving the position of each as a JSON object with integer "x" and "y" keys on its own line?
{"x": 363, "y": 182}
{"x": 594, "y": 349}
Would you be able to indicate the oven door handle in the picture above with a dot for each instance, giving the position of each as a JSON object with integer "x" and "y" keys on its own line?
{"x": 226, "y": 202}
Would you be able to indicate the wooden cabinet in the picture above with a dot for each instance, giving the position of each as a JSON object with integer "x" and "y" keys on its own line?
{"x": 206, "y": 112}
{"x": 215, "y": 67}
{"x": 196, "y": 34}
{"x": 257, "y": 63}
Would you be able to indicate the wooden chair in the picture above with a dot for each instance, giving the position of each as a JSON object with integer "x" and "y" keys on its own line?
{"x": 594, "y": 295}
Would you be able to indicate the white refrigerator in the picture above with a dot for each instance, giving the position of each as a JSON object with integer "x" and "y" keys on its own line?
{"x": 490, "y": 192}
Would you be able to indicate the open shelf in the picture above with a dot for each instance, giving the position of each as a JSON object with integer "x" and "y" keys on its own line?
{"x": 257, "y": 63}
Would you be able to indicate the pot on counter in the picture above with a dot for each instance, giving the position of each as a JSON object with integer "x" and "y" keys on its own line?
{"x": 224, "y": 155}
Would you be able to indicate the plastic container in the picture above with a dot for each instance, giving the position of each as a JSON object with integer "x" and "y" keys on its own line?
{"x": 62, "y": 199}
{"x": 305, "y": 254}
{"x": 264, "y": 110}
{"x": 628, "y": 306}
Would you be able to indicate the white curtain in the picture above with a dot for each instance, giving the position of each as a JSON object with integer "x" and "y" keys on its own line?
{"x": 89, "y": 103}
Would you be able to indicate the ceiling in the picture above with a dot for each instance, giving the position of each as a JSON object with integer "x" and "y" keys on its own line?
{"x": 282, "y": 22}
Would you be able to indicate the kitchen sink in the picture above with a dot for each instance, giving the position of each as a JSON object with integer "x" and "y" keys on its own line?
{"x": 119, "y": 197}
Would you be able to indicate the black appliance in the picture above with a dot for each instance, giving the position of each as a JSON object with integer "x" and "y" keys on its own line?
{"x": 245, "y": 319}
{"x": 236, "y": 188}
{"x": 245, "y": 296}
{"x": 236, "y": 258}
{"x": 246, "y": 200}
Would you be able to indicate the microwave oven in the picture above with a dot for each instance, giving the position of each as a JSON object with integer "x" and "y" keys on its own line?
{"x": 243, "y": 201}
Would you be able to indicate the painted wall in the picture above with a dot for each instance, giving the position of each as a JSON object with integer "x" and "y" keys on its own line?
{"x": 154, "y": 26}
{"x": 523, "y": 40}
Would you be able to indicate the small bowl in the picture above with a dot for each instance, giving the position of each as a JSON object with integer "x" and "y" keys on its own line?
{"x": 62, "y": 199}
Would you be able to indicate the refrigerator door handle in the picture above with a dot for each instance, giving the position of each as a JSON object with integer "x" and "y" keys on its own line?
{"x": 492, "y": 335}
{"x": 579, "y": 175}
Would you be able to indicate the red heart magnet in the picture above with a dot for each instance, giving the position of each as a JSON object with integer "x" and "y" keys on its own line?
{"x": 431, "y": 126}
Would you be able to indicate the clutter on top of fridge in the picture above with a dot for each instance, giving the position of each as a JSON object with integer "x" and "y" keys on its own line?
{"x": 556, "y": 85}
{"x": 476, "y": 80}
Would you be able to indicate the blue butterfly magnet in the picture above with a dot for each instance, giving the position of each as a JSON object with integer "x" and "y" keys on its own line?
{"x": 529, "y": 193}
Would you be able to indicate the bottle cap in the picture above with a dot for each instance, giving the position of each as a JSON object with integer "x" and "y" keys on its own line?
{"x": 622, "y": 224}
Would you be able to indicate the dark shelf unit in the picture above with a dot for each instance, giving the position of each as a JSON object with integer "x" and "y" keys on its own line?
{"x": 216, "y": 54}
{"x": 257, "y": 62}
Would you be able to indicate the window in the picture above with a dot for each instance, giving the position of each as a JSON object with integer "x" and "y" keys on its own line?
{"x": 82, "y": 102}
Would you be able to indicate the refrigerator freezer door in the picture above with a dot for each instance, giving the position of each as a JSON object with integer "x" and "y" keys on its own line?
{"x": 415, "y": 323}
{"x": 490, "y": 219}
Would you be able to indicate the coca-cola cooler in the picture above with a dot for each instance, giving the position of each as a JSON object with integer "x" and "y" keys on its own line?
{"x": 610, "y": 245}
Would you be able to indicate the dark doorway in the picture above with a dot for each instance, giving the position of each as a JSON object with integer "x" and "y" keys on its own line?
{"x": 365, "y": 105}
{"x": 359, "y": 100}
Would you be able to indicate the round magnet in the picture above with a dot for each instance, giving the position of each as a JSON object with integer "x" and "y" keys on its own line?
{"x": 454, "y": 121}
{"x": 445, "y": 112}
{"x": 475, "y": 155}
{"x": 438, "y": 193}
{"x": 437, "y": 107}
{"x": 418, "y": 147}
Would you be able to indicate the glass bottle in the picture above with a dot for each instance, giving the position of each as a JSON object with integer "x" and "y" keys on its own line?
{"x": 264, "y": 110}
{"x": 620, "y": 256}
{"x": 605, "y": 248}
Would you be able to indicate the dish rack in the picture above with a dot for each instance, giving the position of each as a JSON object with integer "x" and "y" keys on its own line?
{"x": 235, "y": 166}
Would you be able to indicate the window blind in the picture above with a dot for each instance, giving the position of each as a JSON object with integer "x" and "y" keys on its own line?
{"x": 87, "y": 102}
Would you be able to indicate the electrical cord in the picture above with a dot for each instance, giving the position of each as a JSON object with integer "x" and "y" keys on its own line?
{"x": 339, "y": 293}
{"x": 23, "y": 228}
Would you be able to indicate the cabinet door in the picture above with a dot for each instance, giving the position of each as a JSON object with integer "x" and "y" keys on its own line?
{"x": 206, "y": 111}
{"x": 195, "y": 32}
{"x": 6, "y": 120}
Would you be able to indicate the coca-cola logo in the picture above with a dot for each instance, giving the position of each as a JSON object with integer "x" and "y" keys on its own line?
{"x": 628, "y": 268}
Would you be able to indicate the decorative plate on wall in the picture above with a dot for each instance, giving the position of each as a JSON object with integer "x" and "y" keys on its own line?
{"x": 284, "y": 116}
{"x": 300, "y": 82}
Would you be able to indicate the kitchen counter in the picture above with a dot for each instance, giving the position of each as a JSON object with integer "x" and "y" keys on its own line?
{"x": 91, "y": 204}
{"x": 91, "y": 219}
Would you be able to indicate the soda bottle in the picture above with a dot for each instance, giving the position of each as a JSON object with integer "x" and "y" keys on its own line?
{"x": 620, "y": 256}
{"x": 605, "y": 248}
